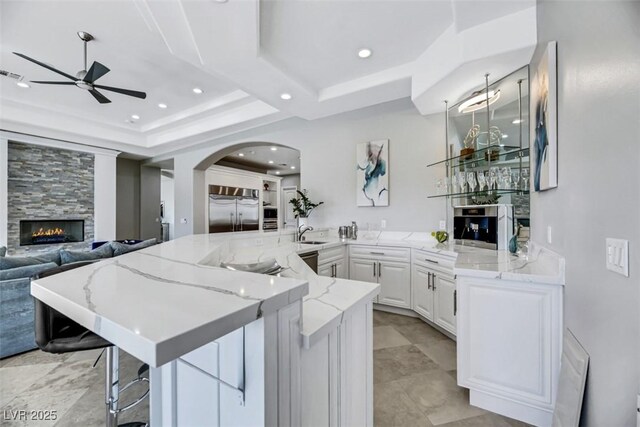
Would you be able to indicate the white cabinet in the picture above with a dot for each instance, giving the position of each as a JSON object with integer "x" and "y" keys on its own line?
{"x": 434, "y": 289}
{"x": 395, "y": 283}
{"x": 509, "y": 346}
{"x": 390, "y": 267}
{"x": 445, "y": 302}
{"x": 422, "y": 300}
{"x": 332, "y": 263}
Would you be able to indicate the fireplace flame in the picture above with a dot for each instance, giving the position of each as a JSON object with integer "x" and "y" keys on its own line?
{"x": 48, "y": 232}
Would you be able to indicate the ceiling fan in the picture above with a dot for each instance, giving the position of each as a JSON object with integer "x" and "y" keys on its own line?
{"x": 85, "y": 79}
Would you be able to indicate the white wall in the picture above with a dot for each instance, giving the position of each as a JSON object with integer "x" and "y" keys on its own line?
{"x": 328, "y": 159}
{"x": 166, "y": 196}
{"x": 104, "y": 183}
{"x": 291, "y": 181}
{"x": 598, "y": 194}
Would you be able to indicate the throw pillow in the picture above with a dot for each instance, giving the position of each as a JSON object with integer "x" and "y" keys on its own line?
{"x": 7, "y": 262}
{"x": 26, "y": 271}
{"x": 121, "y": 248}
{"x": 53, "y": 256}
{"x": 103, "y": 251}
{"x": 3, "y": 250}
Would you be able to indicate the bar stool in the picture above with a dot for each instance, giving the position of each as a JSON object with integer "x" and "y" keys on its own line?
{"x": 56, "y": 333}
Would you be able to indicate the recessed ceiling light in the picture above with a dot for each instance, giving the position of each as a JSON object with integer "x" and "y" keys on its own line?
{"x": 504, "y": 135}
{"x": 364, "y": 53}
{"x": 277, "y": 172}
{"x": 293, "y": 167}
{"x": 135, "y": 116}
{"x": 23, "y": 84}
{"x": 222, "y": 1}
{"x": 516, "y": 121}
{"x": 285, "y": 96}
{"x": 274, "y": 148}
{"x": 163, "y": 106}
{"x": 197, "y": 90}
{"x": 270, "y": 162}
{"x": 241, "y": 154}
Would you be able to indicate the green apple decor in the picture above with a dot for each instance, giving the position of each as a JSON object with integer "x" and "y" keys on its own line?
{"x": 441, "y": 236}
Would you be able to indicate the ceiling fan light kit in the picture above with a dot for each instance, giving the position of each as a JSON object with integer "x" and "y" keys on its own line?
{"x": 85, "y": 79}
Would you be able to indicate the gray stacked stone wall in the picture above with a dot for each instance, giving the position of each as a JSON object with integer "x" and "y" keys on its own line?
{"x": 46, "y": 183}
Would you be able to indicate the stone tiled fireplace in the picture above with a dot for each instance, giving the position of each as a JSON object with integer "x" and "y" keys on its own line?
{"x": 50, "y": 199}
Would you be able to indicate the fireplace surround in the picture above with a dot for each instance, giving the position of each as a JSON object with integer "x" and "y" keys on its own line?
{"x": 46, "y": 232}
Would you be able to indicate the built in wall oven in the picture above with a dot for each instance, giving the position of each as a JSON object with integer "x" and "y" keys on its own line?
{"x": 484, "y": 226}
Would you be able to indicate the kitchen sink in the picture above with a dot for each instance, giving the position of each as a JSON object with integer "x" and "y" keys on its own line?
{"x": 311, "y": 242}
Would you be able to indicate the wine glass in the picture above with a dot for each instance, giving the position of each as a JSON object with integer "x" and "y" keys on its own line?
{"x": 462, "y": 180}
{"x": 482, "y": 181}
{"x": 471, "y": 180}
{"x": 506, "y": 178}
{"x": 493, "y": 177}
{"x": 525, "y": 179}
{"x": 454, "y": 183}
{"x": 515, "y": 177}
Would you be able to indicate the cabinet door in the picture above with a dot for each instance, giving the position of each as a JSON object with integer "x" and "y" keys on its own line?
{"x": 445, "y": 305}
{"x": 341, "y": 269}
{"x": 422, "y": 294}
{"x": 325, "y": 270}
{"x": 362, "y": 269}
{"x": 395, "y": 283}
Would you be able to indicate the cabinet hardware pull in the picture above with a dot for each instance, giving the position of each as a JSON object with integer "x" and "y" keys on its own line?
{"x": 433, "y": 281}
{"x": 431, "y": 261}
{"x": 374, "y": 269}
{"x": 335, "y": 270}
{"x": 455, "y": 302}
{"x": 429, "y": 281}
{"x": 376, "y": 253}
{"x": 379, "y": 270}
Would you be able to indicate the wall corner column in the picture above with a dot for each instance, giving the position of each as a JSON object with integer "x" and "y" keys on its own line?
{"x": 105, "y": 196}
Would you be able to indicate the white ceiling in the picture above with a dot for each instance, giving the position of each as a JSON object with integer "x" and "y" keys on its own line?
{"x": 244, "y": 54}
{"x": 257, "y": 158}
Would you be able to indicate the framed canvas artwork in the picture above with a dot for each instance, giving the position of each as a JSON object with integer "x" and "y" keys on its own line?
{"x": 544, "y": 126}
{"x": 372, "y": 173}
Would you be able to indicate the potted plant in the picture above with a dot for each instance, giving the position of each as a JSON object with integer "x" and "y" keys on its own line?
{"x": 302, "y": 206}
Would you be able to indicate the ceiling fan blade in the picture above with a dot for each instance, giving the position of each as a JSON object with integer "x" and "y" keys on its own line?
{"x": 135, "y": 93}
{"x": 43, "y": 82}
{"x": 96, "y": 71}
{"x": 100, "y": 97}
{"x": 42, "y": 64}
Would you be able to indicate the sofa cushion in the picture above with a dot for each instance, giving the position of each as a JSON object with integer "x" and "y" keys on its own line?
{"x": 25, "y": 271}
{"x": 3, "y": 250}
{"x": 7, "y": 262}
{"x": 122, "y": 248}
{"x": 103, "y": 251}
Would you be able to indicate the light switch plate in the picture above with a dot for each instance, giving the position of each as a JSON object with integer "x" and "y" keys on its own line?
{"x": 383, "y": 224}
{"x": 443, "y": 225}
{"x": 617, "y": 254}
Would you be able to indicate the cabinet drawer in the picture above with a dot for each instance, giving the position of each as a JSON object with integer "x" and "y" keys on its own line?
{"x": 381, "y": 253}
{"x": 443, "y": 264}
{"x": 331, "y": 254}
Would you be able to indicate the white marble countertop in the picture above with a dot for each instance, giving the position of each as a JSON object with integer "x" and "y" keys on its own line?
{"x": 158, "y": 303}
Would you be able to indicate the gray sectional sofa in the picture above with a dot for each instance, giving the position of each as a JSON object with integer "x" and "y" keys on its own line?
{"x": 16, "y": 302}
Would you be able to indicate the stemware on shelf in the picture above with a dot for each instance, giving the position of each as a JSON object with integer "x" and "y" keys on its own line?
{"x": 471, "y": 181}
{"x": 506, "y": 178}
{"x": 482, "y": 181}
{"x": 493, "y": 177}
{"x": 462, "y": 180}
{"x": 525, "y": 179}
{"x": 515, "y": 177}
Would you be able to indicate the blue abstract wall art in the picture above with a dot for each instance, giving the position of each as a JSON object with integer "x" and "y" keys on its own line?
{"x": 372, "y": 173}
{"x": 545, "y": 125}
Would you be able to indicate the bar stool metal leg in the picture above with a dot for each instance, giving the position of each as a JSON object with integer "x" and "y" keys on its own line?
{"x": 112, "y": 390}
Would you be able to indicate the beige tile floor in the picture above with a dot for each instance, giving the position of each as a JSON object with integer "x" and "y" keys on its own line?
{"x": 414, "y": 382}
{"x": 415, "y": 378}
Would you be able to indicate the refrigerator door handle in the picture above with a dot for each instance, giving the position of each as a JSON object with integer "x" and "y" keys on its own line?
{"x": 233, "y": 226}
{"x": 240, "y": 218}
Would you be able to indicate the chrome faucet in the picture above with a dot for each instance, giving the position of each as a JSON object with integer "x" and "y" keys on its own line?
{"x": 301, "y": 230}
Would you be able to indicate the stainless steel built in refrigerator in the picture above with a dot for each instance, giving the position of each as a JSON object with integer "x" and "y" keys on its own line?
{"x": 233, "y": 209}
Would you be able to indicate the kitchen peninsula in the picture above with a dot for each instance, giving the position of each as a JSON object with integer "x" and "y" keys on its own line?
{"x": 228, "y": 347}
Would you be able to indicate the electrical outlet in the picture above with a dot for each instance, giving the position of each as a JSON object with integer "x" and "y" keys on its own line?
{"x": 443, "y": 225}
{"x": 618, "y": 256}
{"x": 322, "y": 234}
{"x": 549, "y": 239}
{"x": 383, "y": 223}
{"x": 183, "y": 220}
